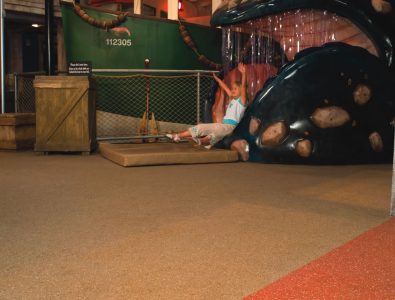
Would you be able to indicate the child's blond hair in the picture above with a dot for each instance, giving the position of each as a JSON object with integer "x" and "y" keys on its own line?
{"x": 237, "y": 83}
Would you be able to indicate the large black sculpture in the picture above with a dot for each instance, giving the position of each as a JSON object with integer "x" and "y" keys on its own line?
{"x": 332, "y": 104}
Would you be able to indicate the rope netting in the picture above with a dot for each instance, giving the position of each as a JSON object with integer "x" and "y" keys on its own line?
{"x": 177, "y": 101}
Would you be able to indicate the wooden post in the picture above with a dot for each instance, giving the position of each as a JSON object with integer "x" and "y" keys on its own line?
{"x": 137, "y": 7}
{"x": 214, "y": 5}
{"x": 49, "y": 37}
{"x": 62, "y": 62}
{"x": 172, "y": 13}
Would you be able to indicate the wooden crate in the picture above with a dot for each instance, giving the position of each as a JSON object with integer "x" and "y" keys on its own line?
{"x": 17, "y": 130}
{"x": 65, "y": 114}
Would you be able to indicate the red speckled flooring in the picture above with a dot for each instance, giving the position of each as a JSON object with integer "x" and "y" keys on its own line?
{"x": 363, "y": 268}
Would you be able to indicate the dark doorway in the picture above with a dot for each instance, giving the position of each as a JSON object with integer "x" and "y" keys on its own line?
{"x": 30, "y": 52}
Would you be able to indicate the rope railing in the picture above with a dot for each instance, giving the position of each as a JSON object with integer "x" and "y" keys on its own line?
{"x": 172, "y": 100}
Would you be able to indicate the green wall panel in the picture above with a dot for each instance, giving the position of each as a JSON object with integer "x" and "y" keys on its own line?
{"x": 156, "y": 39}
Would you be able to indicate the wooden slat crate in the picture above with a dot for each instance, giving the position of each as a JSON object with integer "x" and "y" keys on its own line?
{"x": 17, "y": 130}
{"x": 65, "y": 114}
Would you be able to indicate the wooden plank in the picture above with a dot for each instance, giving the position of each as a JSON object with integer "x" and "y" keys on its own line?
{"x": 149, "y": 154}
{"x": 34, "y": 7}
{"x": 12, "y": 119}
{"x": 60, "y": 85}
{"x": 30, "y": 3}
{"x": 15, "y": 137}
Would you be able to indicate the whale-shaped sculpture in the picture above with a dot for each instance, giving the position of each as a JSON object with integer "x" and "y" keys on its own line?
{"x": 332, "y": 100}
{"x": 331, "y": 105}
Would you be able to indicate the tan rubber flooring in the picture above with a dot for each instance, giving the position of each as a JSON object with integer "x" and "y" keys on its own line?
{"x": 82, "y": 227}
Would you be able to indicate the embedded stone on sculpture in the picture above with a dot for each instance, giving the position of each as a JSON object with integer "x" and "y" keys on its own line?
{"x": 254, "y": 125}
{"x": 376, "y": 142}
{"x": 362, "y": 94}
{"x": 304, "y": 148}
{"x": 382, "y": 6}
{"x": 274, "y": 134}
{"x": 242, "y": 147}
{"x": 330, "y": 117}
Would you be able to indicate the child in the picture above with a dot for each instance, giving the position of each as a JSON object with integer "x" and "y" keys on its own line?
{"x": 210, "y": 133}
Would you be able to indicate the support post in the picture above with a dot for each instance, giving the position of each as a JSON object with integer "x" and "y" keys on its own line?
{"x": 49, "y": 24}
{"x": 214, "y": 5}
{"x": 172, "y": 6}
{"x": 147, "y": 90}
{"x": 16, "y": 92}
{"x": 2, "y": 57}
{"x": 392, "y": 205}
{"x": 137, "y": 7}
{"x": 198, "y": 98}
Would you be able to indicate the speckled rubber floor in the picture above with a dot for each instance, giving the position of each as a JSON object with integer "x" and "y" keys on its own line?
{"x": 82, "y": 227}
{"x": 364, "y": 268}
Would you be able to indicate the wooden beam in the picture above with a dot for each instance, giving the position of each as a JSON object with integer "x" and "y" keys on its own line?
{"x": 33, "y": 6}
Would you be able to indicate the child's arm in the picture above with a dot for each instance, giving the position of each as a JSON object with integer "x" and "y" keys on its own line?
{"x": 222, "y": 85}
{"x": 242, "y": 69}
